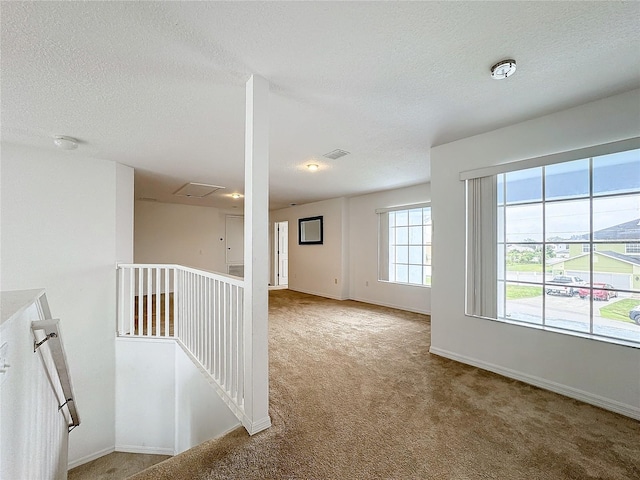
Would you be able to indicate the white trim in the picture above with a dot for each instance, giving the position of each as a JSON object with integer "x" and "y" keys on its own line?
{"x": 391, "y": 305}
{"x": 146, "y": 450}
{"x": 89, "y": 458}
{"x": 403, "y": 207}
{"x": 205, "y": 273}
{"x": 602, "y": 402}
{"x": 594, "y": 151}
{"x": 257, "y": 426}
{"x": 367, "y": 301}
{"x": 319, "y": 294}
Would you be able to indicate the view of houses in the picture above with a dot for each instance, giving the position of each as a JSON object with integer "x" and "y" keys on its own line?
{"x": 616, "y": 281}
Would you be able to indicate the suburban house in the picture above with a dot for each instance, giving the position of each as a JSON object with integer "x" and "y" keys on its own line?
{"x": 151, "y": 97}
{"x": 617, "y": 256}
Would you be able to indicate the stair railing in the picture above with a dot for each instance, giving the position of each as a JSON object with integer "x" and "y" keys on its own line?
{"x": 201, "y": 310}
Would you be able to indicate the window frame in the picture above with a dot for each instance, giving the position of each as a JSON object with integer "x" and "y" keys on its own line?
{"x": 385, "y": 248}
{"x": 474, "y": 278}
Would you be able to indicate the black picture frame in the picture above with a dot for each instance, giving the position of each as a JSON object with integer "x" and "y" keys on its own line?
{"x": 311, "y": 231}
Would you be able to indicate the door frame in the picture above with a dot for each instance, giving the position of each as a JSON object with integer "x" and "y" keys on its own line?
{"x": 276, "y": 253}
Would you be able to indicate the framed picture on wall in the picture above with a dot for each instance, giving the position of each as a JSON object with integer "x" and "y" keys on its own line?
{"x": 310, "y": 231}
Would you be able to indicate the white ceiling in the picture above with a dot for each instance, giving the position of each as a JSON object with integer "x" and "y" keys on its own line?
{"x": 160, "y": 85}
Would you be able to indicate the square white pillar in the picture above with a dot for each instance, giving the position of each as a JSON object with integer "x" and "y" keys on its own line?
{"x": 256, "y": 256}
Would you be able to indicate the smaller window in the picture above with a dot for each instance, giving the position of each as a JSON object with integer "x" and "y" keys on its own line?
{"x": 632, "y": 248}
{"x": 405, "y": 245}
{"x": 586, "y": 248}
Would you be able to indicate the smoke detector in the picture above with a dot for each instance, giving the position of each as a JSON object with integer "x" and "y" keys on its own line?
{"x": 65, "y": 143}
{"x": 503, "y": 69}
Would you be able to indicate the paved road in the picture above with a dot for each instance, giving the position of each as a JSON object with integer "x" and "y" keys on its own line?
{"x": 571, "y": 313}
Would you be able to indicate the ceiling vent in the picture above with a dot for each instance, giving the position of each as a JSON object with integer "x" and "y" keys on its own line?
{"x": 198, "y": 190}
{"x": 336, "y": 154}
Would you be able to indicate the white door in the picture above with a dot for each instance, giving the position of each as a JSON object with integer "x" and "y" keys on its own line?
{"x": 282, "y": 253}
{"x": 235, "y": 240}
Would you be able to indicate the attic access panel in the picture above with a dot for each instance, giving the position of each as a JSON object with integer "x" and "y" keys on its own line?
{"x": 198, "y": 190}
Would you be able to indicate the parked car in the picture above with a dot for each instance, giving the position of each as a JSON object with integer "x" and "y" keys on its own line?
{"x": 634, "y": 314}
{"x": 601, "y": 291}
{"x": 566, "y": 285}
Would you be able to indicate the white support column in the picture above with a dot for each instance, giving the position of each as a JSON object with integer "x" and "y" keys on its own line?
{"x": 256, "y": 256}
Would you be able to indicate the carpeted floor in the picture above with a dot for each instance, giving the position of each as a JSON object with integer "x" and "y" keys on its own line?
{"x": 356, "y": 395}
{"x": 116, "y": 465}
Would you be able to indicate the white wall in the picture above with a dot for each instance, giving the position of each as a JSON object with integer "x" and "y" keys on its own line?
{"x": 33, "y": 432}
{"x": 187, "y": 235}
{"x": 601, "y": 373}
{"x": 124, "y": 213}
{"x": 59, "y": 232}
{"x": 317, "y": 269}
{"x": 164, "y": 403}
{"x": 200, "y": 413}
{"x": 349, "y": 253}
{"x": 363, "y": 241}
{"x": 145, "y": 396}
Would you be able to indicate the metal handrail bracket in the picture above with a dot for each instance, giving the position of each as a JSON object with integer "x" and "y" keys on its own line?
{"x": 51, "y": 329}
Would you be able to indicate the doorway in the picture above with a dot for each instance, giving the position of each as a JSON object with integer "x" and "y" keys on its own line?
{"x": 281, "y": 244}
{"x": 235, "y": 245}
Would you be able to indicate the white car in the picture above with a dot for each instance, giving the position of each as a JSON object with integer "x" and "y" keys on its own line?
{"x": 565, "y": 285}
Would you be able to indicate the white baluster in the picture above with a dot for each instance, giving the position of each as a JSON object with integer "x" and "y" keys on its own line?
{"x": 166, "y": 302}
{"x": 158, "y": 291}
{"x": 132, "y": 295}
{"x": 140, "y": 272}
{"x": 149, "y": 300}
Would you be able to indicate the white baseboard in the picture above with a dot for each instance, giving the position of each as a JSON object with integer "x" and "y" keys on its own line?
{"x": 147, "y": 450}
{"x": 319, "y": 294}
{"x": 88, "y": 458}
{"x": 381, "y": 304}
{"x": 257, "y": 426}
{"x": 587, "y": 397}
{"x": 391, "y": 305}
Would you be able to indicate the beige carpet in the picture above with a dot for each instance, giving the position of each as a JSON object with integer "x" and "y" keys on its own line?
{"x": 114, "y": 466}
{"x": 356, "y": 395}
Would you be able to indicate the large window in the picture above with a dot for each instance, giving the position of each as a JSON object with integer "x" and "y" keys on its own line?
{"x": 521, "y": 219}
{"x": 405, "y": 245}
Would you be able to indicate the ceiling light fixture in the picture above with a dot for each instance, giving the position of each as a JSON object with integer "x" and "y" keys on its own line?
{"x": 65, "y": 143}
{"x": 313, "y": 167}
{"x": 503, "y": 69}
{"x": 235, "y": 195}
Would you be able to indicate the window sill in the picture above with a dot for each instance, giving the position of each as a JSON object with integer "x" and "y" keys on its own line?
{"x": 571, "y": 333}
{"x": 404, "y": 284}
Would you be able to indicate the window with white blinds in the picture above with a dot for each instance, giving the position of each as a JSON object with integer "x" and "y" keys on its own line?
{"x": 551, "y": 242}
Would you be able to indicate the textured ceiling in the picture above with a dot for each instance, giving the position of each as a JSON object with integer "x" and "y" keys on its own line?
{"x": 160, "y": 85}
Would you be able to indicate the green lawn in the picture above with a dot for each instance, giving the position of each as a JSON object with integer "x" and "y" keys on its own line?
{"x": 619, "y": 310}
{"x": 526, "y": 267}
{"x": 519, "y": 291}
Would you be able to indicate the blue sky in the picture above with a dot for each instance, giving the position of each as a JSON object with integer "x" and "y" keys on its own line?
{"x": 612, "y": 174}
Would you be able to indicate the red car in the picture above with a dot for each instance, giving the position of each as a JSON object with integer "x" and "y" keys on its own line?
{"x": 604, "y": 295}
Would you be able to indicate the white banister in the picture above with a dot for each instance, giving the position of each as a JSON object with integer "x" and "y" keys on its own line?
{"x": 203, "y": 311}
